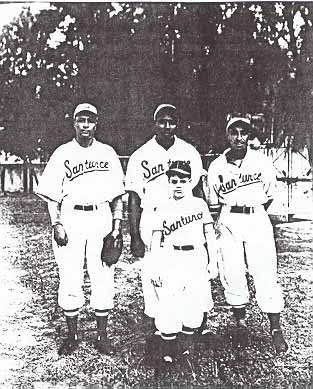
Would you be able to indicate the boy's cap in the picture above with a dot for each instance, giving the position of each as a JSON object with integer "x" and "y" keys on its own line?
{"x": 180, "y": 168}
{"x": 85, "y": 107}
{"x": 162, "y": 107}
{"x": 237, "y": 120}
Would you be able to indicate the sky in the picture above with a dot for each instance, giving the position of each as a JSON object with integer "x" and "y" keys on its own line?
{"x": 9, "y": 11}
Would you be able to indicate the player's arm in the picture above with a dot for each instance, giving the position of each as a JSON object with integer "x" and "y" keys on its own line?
{"x": 212, "y": 194}
{"x": 116, "y": 206}
{"x": 137, "y": 246}
{"x": 59, "y": 233}
{"x": 155, "y": 247}
{"x": 269, "y": 182}
{"x": 198, "y": 190}
{"x": 212, "y": 249}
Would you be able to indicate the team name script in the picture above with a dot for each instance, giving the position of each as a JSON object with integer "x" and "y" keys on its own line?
{"x": 184, "y": 220}
{"x": 242, "y": 180}
{"x": 73, "y": 171}
{"x": 154, "y": 171}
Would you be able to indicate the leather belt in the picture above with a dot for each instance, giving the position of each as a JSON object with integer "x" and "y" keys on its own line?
{"x": 242, "y": 209}
{"x": 184, "y": 248}
{"x": 85, "y": 207}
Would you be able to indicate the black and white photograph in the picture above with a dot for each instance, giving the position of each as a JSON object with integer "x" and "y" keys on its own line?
{"x": 156, "y": 202}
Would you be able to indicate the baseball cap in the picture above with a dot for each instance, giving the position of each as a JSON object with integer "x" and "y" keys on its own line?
{"x": 85, "y": 107}
{"x": 238, "y": 119}
{"x": 181, "y": 168}
{"x": 161, "y": 107}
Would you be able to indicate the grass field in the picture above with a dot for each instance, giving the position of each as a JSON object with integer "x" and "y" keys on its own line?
{"x": 256, "y": 366}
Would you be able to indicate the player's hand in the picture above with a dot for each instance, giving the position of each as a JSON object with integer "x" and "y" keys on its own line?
{"x": 212, "y": 270}
{"x": 137, "y": 246}
{"x": 60, "y": 235}
{"x": 115, "y": 233}
{"x": 217, "y": 229}
{"x": 157, "y": 281}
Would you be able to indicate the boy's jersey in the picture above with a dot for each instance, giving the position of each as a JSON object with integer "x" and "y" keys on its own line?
{"x": 182, "y": 221}
{"x": 147, "y": 167}
{"x": 83, "y": 175}
{"x": 252, "y": 183}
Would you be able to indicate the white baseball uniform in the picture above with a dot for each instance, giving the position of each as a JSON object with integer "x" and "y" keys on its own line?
{"x": 246, "y": 234}
{"x": 146, "y": 176}
{"x": 83, "y": 180}
{"x": 181, "y": 264}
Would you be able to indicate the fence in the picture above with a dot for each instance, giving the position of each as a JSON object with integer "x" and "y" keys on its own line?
{"x": 293, "y": 170}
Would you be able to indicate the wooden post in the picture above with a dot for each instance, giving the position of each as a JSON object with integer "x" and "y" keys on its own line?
{"x": 25, "y": 178}
{"x": 3, "y": 178}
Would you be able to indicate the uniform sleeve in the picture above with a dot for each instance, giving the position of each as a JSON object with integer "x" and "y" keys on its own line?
{"x": 133, "y": 181}
{"x": 212, "y": 187}
{"x": 269, "y": 179}
{"x": 50, "y": 185}
{"x": 158, "y": 220}
{"x": 207, "y": 217}
{"x": 117, "y": 183}
{"x": 197, "y": 170}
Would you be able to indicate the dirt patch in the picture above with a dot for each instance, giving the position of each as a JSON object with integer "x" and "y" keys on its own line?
{"x": 35, "y": 363}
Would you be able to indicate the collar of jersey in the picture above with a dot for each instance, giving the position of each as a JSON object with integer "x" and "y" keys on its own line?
{"x": 244, "y": 158}
{"x": 86, "y": 148}
{"x": 175, "y": 139}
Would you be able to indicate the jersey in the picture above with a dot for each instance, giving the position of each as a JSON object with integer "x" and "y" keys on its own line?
{"x": 182, "y": 221}
{"x": 147, "y": 167}
{"x": 251, "y": 184}
{"x": 83, "y": 175}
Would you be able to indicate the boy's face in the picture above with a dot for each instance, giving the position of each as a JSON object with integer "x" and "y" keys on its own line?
{"x": 179, "y": 186}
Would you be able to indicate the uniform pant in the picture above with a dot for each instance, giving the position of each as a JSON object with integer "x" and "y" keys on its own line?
{"x": 147, "y": 225}
{"x": 181, "y": 297}
{"x": 247, "y": 243}
{"x": 85, "y": 230}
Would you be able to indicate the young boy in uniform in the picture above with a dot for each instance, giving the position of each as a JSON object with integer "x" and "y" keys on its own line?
{"x": 179, "y": 262}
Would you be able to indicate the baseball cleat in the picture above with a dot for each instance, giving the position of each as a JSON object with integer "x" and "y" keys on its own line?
{"x": 240, "y": 337}
{"x": 68, "y": 346}
{"x": 103, "y": 345}
{"x": 279, "y": 343}
{"x": 168, "y": 359}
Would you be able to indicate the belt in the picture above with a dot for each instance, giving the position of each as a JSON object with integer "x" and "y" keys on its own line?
{"x": 242, "y": 209}
{"x": 85, "y": 207}
{"x": 184, "y": 248}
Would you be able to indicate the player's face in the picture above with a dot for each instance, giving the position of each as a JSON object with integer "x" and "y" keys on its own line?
{"x": 179, "y": 186}
{"x": 85, "y": 128}
{"x": 238, "y": 138}
{"x": 165, "y": 126}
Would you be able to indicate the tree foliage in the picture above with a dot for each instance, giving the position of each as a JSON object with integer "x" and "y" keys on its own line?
{"x": 210, "y": 59}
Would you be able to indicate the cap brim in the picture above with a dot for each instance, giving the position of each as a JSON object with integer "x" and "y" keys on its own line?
{"x": 178, "y": 171}
{"x": 237, "y": 121}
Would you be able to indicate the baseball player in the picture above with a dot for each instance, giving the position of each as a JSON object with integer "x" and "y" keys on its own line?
{"x": 180, "y": 245}
{"x": 147, "y": 185}
{"x": 82, "y": 183}
{"x": 241, "y": 185}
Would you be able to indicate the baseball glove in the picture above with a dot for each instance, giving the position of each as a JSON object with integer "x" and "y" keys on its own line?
{"x": 111, "y": 249}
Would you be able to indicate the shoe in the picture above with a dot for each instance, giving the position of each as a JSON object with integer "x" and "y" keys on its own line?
{"x": 169, "y": 351}
{"x": 185, "y": 344}
{"x": 240, "y": 338}
{"x": 68, "y": 346}
{"x": 279, "y": 343}
{"x": 211, "y": 340}
{"x": 168, "y": 359}
{"x": 103, "y": 345}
